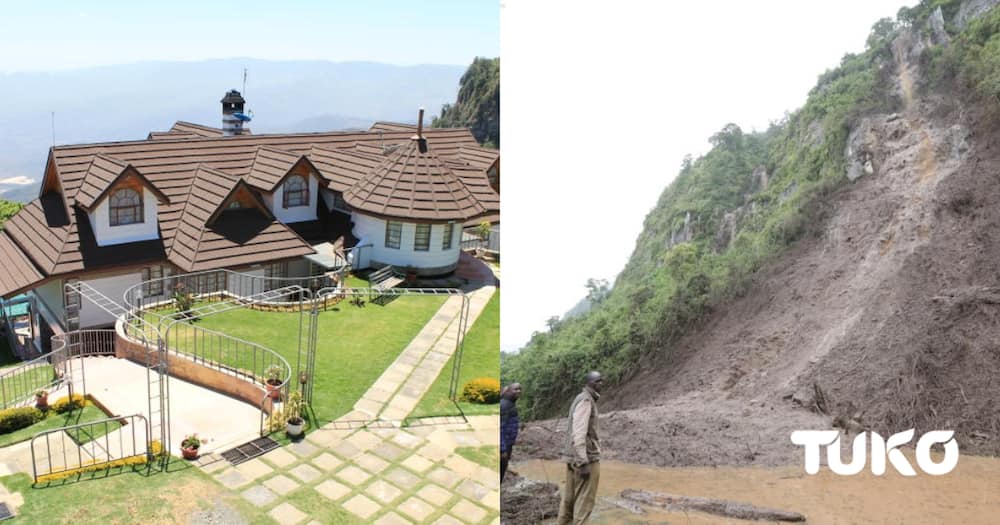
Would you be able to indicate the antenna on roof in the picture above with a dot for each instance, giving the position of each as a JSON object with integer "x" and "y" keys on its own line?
{"x": 53, "y": 129}
{"x": 244, "y": 82}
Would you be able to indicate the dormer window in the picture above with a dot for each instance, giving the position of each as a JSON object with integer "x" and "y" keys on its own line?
{"x": 296, "y": 192}
{"x": 126, "y": 207}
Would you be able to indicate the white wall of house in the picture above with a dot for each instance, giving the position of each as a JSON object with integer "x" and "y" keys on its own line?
{"x": 372, "y": 230}
{"x": 329, "y": 200}
{"x": 276, "y": 200}
{"x": 106, "y": 235}
{"x": 113, "y": 287}
{"x": 51, "y": 294}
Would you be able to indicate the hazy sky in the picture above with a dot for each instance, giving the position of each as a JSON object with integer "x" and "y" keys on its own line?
{"x": 601, "y": 101}
{"x": 62, "y": 34}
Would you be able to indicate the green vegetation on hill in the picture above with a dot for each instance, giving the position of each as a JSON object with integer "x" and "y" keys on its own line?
{"x": 732, "y": 210}
{"x": 8, "y": 209}
{"x": 478, "y": 103}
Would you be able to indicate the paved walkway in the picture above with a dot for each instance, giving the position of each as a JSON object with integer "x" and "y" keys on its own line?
{"x": 389, "y": 475}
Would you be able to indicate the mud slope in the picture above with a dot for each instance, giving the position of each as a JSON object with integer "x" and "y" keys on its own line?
{"x": 893, "y": 310}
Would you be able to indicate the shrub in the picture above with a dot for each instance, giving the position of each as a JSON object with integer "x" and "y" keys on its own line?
{"x": 13, "y": 419}
{"x": 65, "y": 404}
{"x": 482, "y": 390}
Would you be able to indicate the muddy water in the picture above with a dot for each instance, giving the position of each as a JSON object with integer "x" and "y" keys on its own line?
{"x": 968, "y": 494}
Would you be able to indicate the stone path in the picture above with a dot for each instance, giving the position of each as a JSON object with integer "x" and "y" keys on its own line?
{"x": 389, "y": 475}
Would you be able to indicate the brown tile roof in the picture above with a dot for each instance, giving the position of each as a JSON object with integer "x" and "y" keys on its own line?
{"x": 18, "y": 271}
{"x": 59, "y": 241}
{"x": 478, "y": 157}
{"x": 392, "y": 126}
{"x": 271, "y": 165}
{"x": 197, "y": 129}
{"x": 343, "y": 168}
{"x": 234, "y": 237}
{"x": 414, "y": 183}
{"x": 101, "y": 176}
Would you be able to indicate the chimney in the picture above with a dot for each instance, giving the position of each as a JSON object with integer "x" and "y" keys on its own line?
{"x": 419, "y": 137}
{"x": 233, "y": 116}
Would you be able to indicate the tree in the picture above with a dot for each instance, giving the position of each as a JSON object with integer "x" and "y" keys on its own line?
{"x": 597, "y": 290}
{"x": 478, "y": 104}
{"x": 552, "y": 323}
{"x": 8, "y": 209}
{"x": 882, "y": 33}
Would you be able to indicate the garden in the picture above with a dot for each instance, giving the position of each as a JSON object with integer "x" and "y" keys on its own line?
{"x": 480, "y": 361}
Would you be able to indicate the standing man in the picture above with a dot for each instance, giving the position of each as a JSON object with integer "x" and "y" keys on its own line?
{"x": 509, "y": 424}
{"x": 582, "y": 454}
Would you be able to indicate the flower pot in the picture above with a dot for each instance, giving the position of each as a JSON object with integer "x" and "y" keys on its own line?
{"x": 42, "y": 402}
{"x": 295, "y": 429}
{"x": 189, "y": 453}
{"x": 273, "y": 389}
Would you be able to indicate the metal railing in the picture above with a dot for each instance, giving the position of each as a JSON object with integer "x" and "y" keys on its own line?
{"x": 227, "y": 354}
{"x": 95, "y": 444}
{"x": 18, "y": 385}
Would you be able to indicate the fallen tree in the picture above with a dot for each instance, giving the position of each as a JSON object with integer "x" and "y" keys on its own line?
{"x": 719, "y": 507}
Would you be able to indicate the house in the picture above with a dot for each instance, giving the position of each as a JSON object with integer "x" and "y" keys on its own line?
{"x": 197, "y": 198}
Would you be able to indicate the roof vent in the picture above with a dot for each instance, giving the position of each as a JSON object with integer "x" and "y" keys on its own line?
{"x": 419, "y": 137}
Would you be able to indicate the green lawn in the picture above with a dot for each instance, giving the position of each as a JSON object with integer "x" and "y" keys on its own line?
{"x": 487, "y": 456}
{"x": 89, "y": 413}
{"x": 481, "y": 358}
{"x": 355, "y": 345}
{"x": 122, "y": 495}
{"x": 21, "y": 385}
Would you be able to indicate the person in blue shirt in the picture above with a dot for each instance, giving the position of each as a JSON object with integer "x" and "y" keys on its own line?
{"x": 509, "y": 424}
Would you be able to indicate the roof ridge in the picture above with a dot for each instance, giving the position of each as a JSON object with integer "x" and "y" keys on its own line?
{"x": 180, "y": 219}
{"x": 241, "y": 138}
{"x": 451, "y": 192}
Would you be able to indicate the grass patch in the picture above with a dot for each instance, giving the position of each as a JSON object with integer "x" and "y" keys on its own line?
{"x": 26, "y": 383}
{"x": 481, "y": 358}
{"x": 87, "y": 414}
{"x": 355, "y": 344}
{"x": 126, "y": 495}
{"x": 487, "y": 456}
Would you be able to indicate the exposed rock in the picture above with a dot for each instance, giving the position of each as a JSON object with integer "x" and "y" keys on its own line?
{"x": 860, "y": 151}
{"x": 727, "y": 230}
{"x": 971, "y": 9}
{"x": 815, "y": 134}
{"x": 939, "y": 36}
{"x": 684, "y": 234}
{"x": 760, "y": 179}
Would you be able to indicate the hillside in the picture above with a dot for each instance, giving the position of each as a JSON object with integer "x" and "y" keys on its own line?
{"x": 478, "y": 103}
{"x": 840, "y": 267}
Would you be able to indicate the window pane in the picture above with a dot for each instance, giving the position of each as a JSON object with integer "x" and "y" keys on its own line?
{"x": 449, "y": 232}
{"x": 422, "y": 242}
{"x": 125, "y": 207}
{"x": 296, "y": 192}
{"x": 393, "y": 234}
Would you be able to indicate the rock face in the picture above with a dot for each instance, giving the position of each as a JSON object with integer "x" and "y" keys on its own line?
{"x": 860, "y": 151}
{"x": 939, "y": 36}
{"x": 684, "y": 234}
{"x": 971, "y": 9}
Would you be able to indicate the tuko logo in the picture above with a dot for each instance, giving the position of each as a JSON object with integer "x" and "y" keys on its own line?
{"x": 881, "y": 449}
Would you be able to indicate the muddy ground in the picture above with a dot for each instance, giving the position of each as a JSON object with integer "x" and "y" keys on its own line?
{"x": 889, "y": 308}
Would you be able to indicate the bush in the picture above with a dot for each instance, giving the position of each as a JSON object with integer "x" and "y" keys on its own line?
{"x": 482, "y": 390}
{"x": 13, "y": 419}
{"x": 65, "y": 404}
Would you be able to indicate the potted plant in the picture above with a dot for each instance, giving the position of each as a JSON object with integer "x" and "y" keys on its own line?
{"x": 273, "y": 381}
{"x": 190, "y": 446}
{"x": 41, "y": 400}
{"x": 294, "y": 422}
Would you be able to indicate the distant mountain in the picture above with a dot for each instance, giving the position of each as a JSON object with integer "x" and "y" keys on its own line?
{"x": 126, "y": 102}
{"x": 478, "y": 103}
